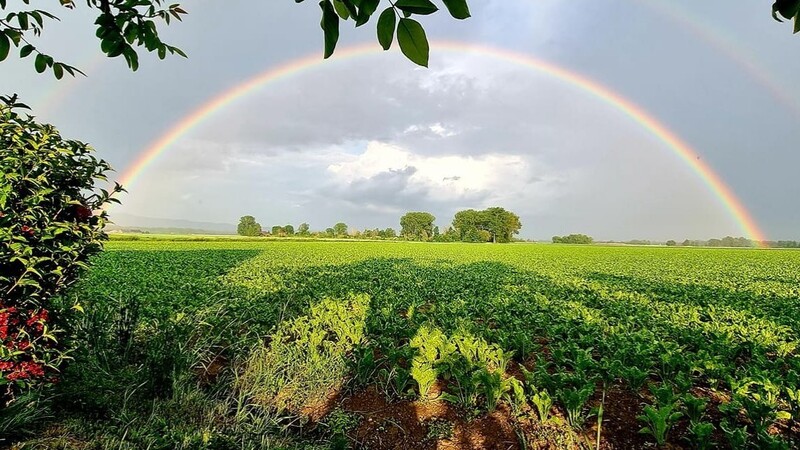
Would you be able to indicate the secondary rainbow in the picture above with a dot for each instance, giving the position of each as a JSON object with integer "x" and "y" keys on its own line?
{"x": 682, "y": 150}
{"x": 727, "y": 44}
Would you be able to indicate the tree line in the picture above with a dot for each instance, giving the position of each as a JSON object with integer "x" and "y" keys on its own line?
{"x": 573, "y": 239}
{"x": 729, "y": 241}
{"x": 495, "y": 224}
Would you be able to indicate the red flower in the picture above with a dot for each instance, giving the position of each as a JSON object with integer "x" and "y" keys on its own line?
{"x": 26, "y": 230}
{"x": 26, "y": 370}
{"x": 82, "y": 213}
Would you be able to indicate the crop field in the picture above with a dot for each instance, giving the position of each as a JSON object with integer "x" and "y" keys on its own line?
{"x": 403, "y": 345}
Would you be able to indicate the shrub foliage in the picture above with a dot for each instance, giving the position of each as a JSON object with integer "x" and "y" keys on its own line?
{"x": 51, "y": 223}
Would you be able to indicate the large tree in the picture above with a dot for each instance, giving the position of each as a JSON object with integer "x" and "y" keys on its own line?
{"x": 494, "y": 224}
{"x": 417, "y": 226}
{"x": 501, "y": 224}
{"x": 248, "y": 226}
{"x": 340, "y": 229}
{"x": 302, "y": 230}
{"x": 467, "y": 223}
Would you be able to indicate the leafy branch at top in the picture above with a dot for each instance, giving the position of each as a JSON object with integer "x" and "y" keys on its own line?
{"x": 789, "y": 10}
{"x": 395, "y": 19}
{"x": 122, "y": 25}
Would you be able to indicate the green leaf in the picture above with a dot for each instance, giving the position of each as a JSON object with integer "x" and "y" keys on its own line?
{"x": 26, "y": 50}
{"x": 41, "y": 63}
{"x": 387, "y": 22}
{"x": 423, "y": 7}
{"x": 366, "y": 10}
{"x": 132, "y": 58}
{"x": 787, "y": 8}
{"x": 330, "y": 26}
{"x": 458, "y": 8}
{"x": 22, "y": 18}
{"x": 797, "y": 23}
{"x": 5, "y": 46}
{"x": 413, "y": 42}
{"x": 351, "y": 7}
{"x": 58, "y": 71}
{"x": 14, "y": 35}
{"x": 341, "y": 9}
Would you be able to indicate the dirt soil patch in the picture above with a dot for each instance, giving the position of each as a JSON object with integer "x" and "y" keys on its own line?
{"x": 406, "y": 424}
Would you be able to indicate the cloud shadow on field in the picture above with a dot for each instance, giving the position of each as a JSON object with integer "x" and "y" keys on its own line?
{"x": 527, "y": 312}
{"x": 541, "y": 318}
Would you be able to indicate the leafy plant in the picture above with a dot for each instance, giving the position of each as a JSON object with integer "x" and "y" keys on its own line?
{"x": 659, "y": 421}
{"x": 700, "y": 435}
{"x": 737, "y": 437}
{"x": 424, "y": 374}
{"x": 543, "y": 403}
{"x": 574, "y": 401}
{"x": 307, "y": 356}
{"x": 514, "y": 393}
{"x": 663, "y": 394}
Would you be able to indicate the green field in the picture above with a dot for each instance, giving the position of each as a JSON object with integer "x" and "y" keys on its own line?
{"x": 389, "y": 345}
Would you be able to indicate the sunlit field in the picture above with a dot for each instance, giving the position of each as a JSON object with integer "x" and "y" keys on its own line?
{"x": 390, "y": 345}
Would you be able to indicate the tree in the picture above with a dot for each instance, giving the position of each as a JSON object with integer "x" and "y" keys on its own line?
{"x": 329, "y": 232}
{"x": 277, "y": 230}
{"x": 671, "y": 243}
{"x": 52, "y": 216}
{"x": 340, "y": 229}
{"x": 302, "y": 230}
{"x": 248, "y": 226}
{"x": 390, "y": 233}
{"x": 450, "y": 235}
{"x": 288, "y": 230}
{"x": 125, "y": 26}
{"x": 417, "y": 226}
{"x": 501, "y": 225}
{"x": 467, "y": 223}
{"x": 573, "y": 239}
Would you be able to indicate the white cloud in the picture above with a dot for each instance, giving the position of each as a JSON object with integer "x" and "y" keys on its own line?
{"x": 444, "y": 178}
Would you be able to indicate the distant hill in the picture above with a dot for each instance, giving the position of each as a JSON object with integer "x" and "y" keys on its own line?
{"x": 133, "y": 223}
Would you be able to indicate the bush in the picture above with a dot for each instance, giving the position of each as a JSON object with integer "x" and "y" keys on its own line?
{"x": 51, "y": 223}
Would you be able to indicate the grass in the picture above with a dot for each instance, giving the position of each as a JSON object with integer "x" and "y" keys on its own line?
{"x": 235, "y": 343}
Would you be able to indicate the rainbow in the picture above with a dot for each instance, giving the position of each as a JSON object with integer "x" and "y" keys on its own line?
{"x": 727, "y": 45}
{"x": 682, "y": 150}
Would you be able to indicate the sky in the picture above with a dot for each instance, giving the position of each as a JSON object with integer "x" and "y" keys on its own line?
{"x": 365, "y": 139}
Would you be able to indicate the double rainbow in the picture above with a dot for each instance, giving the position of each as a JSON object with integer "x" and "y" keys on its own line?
{"x": 581, "y": 83}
